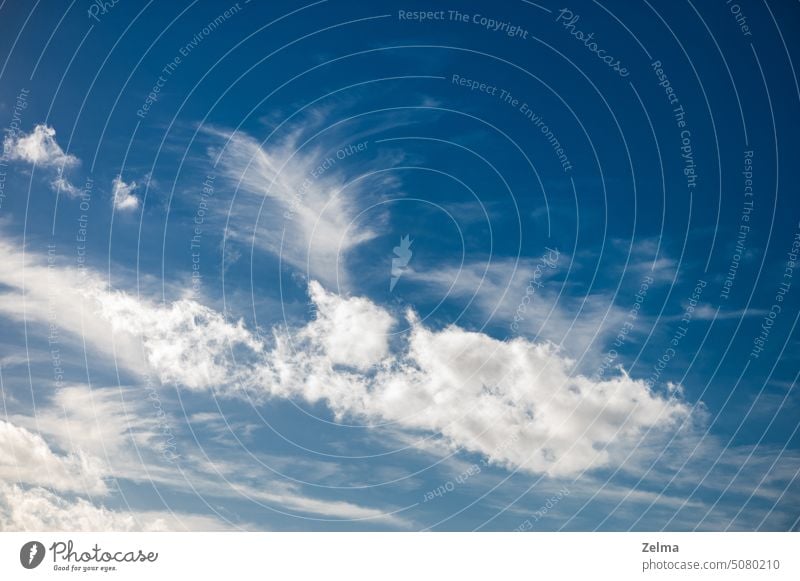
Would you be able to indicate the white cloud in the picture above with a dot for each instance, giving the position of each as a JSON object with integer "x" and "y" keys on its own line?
{"x": 39, "y": 147}
{"x": 351, "y": 332}
{"x": 516, "y": 402}
{"x": 646, "y": 257}
{"x": 61, "y": 184}
{"x": 529, "y": 296}
{"x": 61, "y": 296}
{"x": 37, "y": 509}
{"x": 706, "y": 312}
{"x": 120, "y": 427}
{"x": 305, "y": 213}
{"x": 98, "y": 435}
{"x": 327, "y": 508}
{"x": 124, "y": 198}
{"x": 26, "y": 458}
{"x": 185, "y": 342}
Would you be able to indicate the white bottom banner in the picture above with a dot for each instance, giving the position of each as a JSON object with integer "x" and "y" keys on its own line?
{"x": 375, "y": 556}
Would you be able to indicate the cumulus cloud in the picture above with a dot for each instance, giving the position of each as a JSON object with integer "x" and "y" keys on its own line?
{"x": 40, "y": 147}
{"x": 124, "y": 198}
{"x": 186, "y": 342}
{"x": 351, "y": 333}
{"x": 516, "y": 402}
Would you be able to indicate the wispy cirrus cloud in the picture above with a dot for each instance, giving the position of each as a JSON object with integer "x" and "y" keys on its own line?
{"x": 530, "y": 297}
{"x": 39, "y": 509}
{"x": 299, "y": 201}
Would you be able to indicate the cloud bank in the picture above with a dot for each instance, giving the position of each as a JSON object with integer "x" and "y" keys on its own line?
{"x": 517, "y": 402}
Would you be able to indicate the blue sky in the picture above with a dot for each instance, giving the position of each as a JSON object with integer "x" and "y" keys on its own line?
{"x": 347, "y": 266}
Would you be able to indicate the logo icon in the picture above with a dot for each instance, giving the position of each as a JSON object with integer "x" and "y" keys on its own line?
{"x": 400, "y": 261}
{"x": 31, "y": 554}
